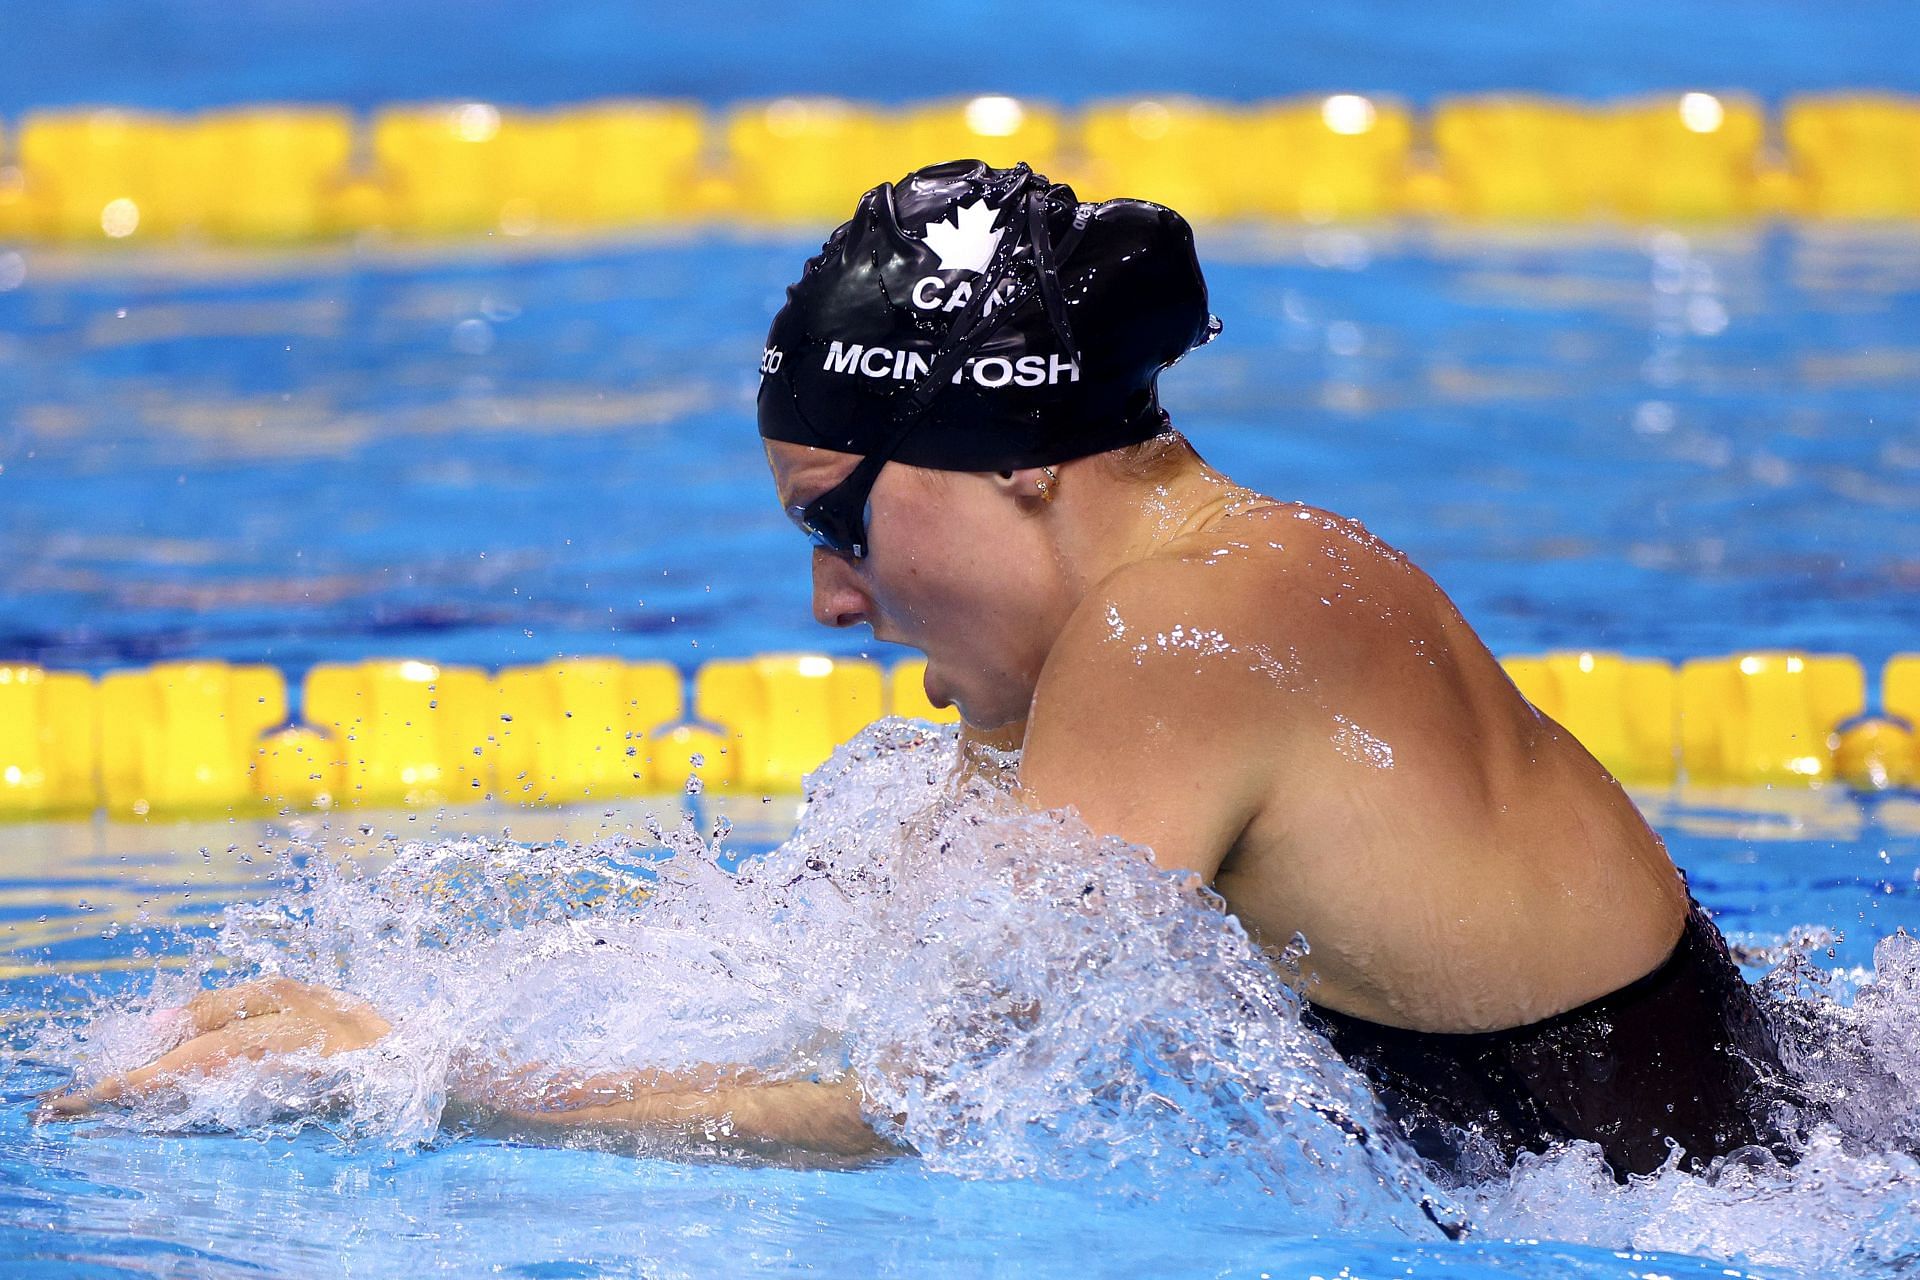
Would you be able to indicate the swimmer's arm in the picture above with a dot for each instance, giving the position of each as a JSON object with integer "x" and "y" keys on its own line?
{"x": 707, "y": 1104}
{"x": 268, "y": 1020}
{"x": 1156, "y": 743}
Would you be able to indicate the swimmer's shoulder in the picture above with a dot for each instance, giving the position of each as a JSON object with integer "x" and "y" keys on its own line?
{"x": 1188, "y": 628}
{"x": 1281, "y": 562}
{"x": 1280, "y": 537}
{"x": 1184, "y": 676}
{"x": 1266, "y": 579}
{"x": 1145, "y": 719}
{"x": 1289, "y": 584}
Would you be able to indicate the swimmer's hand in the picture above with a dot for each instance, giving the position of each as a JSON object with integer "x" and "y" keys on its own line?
{"x": 728, "y": 1106}
{"x": 216, "y": 1028}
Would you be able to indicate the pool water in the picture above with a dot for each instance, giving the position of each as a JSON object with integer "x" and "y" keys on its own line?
{"x": 1655, "y": 441}
{"x": 1661, "y": 442}
{"x": 95, "y": 909}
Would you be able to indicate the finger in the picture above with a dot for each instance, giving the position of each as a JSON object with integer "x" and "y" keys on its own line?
{"x": 130, "y": 1086}
{"x": 63, "y": 1106}
{"x": 182, "y": 1029}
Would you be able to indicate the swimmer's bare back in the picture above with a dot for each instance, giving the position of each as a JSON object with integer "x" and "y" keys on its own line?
{"x": 1279, "y": 702}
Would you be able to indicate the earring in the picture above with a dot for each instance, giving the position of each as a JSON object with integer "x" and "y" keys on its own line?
{"x": 1045, "y": 487}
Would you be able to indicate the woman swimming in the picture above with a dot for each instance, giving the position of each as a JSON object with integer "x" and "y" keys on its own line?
{"x": 960, "y": 408}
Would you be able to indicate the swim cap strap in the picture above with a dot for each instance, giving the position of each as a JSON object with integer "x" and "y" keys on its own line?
{"x": 976, "y": 323}
{"x": 1047, "y": 259}
{"x": 969, "y": 331}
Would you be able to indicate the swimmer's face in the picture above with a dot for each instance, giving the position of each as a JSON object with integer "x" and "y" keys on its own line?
{"x": 955, "y": 569}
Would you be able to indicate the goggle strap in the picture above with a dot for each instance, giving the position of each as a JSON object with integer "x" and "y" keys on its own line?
{"x": 1046, "y": 263}
{"x": 966, "y": 334}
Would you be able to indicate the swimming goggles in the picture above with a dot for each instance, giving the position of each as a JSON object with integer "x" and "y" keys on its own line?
{"x": 837, "y": 519}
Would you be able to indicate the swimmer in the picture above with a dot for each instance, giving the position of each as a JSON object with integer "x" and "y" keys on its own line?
{"x": 959, "y": 407}
{"x": 960, "y": 410}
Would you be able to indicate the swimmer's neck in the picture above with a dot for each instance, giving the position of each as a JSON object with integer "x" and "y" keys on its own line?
{"x": 1108, "y": 520}
{"x": 1104, "y": 520}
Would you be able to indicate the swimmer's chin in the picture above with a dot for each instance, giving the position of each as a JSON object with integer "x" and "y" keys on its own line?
{"x": 940, "y": 698}
{"x": 937, "y": 696}
{"x": 990, "y": 718}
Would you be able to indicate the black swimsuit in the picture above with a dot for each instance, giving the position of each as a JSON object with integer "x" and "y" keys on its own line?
{"x": 1682, "y": 1054}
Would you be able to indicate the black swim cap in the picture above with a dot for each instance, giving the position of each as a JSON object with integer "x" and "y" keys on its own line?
{"x": 1015, "y": 325}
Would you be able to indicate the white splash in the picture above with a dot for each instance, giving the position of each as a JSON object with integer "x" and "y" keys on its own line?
{"x": 1017, "y": 998}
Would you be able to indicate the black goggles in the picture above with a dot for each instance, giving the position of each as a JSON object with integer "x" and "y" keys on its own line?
{"x": 837, "y": 519}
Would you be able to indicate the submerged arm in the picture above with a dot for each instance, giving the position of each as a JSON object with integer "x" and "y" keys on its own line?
{"x": 284, "y": 1021}
{"x": 737, "y": 1108}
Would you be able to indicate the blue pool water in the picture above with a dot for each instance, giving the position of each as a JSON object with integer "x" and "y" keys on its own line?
{"x": 1669, "y": 442}
{"x": 1664, "y": 442}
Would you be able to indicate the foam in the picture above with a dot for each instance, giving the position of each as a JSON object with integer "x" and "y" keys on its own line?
{"x": 1018, "y": 999}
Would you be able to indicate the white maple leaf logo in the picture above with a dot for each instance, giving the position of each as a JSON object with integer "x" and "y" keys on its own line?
{"x": 966, "y": 241}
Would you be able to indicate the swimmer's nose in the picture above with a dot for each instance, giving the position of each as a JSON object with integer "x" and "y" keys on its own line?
{"x": 838, "y": 600}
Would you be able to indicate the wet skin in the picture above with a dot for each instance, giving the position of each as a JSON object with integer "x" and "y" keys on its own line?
{"x": 287, "y": 1026}
{"x": 1266, "y": 695}
{"x": 1260, "y": 693}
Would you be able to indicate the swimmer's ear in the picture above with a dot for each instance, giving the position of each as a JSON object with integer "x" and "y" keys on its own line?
{"x": 1040, "y": 484}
